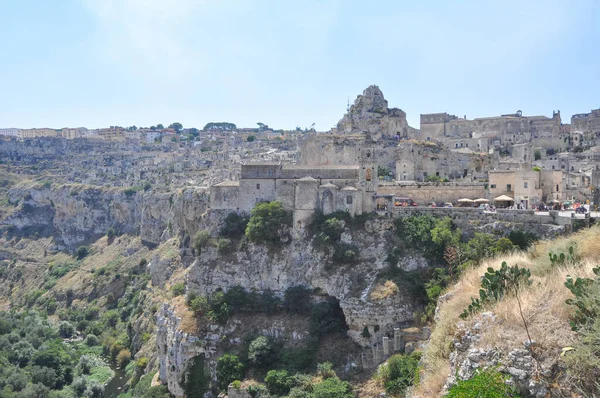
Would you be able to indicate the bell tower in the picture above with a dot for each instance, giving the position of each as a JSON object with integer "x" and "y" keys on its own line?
{"x": 368, "y": 179}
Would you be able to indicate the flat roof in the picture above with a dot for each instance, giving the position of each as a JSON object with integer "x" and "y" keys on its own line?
{"x": 227, "y": 183}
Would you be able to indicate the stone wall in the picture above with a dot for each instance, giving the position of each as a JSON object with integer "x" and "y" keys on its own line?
{"x": 502, "y": 221}
{"x": 423, "y": 193}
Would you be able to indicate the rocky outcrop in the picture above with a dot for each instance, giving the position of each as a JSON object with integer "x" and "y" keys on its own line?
{"x": 370, "y": 114}
{"x": 258, "y": 268}
{"x": 470, "y": 355}
{"x": 76, "y": 215}
{"x": 176, "y": 349}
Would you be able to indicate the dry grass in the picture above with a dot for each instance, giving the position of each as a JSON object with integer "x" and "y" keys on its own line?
{"x": 384, "y": 290}
{"x": 543, "y": 305}
{"x": 189, "y": 322}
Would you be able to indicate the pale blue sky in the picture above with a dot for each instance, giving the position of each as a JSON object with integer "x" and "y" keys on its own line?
{"x": 290, "y": 63}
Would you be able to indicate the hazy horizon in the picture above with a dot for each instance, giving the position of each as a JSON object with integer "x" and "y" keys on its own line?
{"x": 98, "y": 63}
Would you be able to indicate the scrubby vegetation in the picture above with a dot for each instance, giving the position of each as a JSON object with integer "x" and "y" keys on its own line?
{"x": 399, "y": 373}
{"x": 564, "y": 294}
{"x": 487, "y": 383}
{"x": 35, "y": 359}
{"x": 270, "y": 357}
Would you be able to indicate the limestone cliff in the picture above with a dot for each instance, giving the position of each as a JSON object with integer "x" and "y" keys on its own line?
{"x": 76, "y": 214}
{"x": 259, "y": 268}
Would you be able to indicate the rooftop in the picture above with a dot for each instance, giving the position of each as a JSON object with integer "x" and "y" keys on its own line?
{"x": 228, "y": 183}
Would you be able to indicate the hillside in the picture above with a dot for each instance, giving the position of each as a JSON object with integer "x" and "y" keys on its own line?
{"x": 562, "y": 362}
{"x": 151, "y": 294}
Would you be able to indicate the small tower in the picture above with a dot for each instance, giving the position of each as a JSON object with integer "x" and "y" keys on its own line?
{"x": 368, "y": 179}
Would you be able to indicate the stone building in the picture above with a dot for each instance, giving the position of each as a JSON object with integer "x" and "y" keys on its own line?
{"x": 37, "y": 133}
{"x": 505, "y": 130}
{"x": 302, "y": 188}
{"x": 528, "y": 187}
{"x": 586, "y": 122}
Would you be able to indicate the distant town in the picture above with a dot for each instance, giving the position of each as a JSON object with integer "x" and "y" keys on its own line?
{"x": 529, "y": 159}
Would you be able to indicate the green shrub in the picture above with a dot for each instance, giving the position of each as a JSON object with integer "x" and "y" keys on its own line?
{"x": 399, "y": 373}
{"x": 200, "y": 305}
{"x": 279, "y": 382}
{"x": 236, "y": 384}
{"x": 91, "y": 340}
{"x": 325, "y": 370}
{"x": 178, "y": 289}
{"x": 332, "y": 388}
{"x": 82, "y": 252}
{"x": 224, "y": 246}
{"x": 229, "y": 368}
{"x": 235, "y": 226}
{"x": 300, "y": 359}
{"x": 266, "y": 222}
{"x": 129, "y": 192}
{"x": 201, "y": 241}
{"x": 522, "y": 239}
{"x": 66, "y": 329}
{"x": 111, "y": 233}
{"x": 261, "y": 352}
{"x": 484, "y": 384}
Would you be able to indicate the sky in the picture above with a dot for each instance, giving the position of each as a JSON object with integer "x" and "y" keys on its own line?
{"x": 288, "y": 63}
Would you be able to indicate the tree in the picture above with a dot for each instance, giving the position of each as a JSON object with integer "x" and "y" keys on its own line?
{"x": 66, "y": 330}
{"x": 201, "y": 240}
{"x": 111, "y": 233}
{"x": 160, "y": 126}
{"x": 176, "y": 126}
{"x": 267, "y": 221}
{"x": 82, "y": 252}
{"x": 261, "y": 352}
{"x": 262, "y": 126}
{"x": 332, "y": 388}
{"x": 251, "y": 138}
{"x": 132, "y": 128}
{"x": 229, "y": 368}
{"x": 220, "y": 126}
{"x": 193, "y": 131}
{"x": 279, "y": 382}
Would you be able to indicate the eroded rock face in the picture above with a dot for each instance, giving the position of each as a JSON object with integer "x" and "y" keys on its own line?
{"x": 257, "y": 268}
{"x": 370, "y": 114}
{"x": 76, "y": 215}
{"x": 469, "y": 355}
{"x": 176, "y": 349}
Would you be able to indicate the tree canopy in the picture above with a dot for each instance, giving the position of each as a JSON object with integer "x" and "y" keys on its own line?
{"x": 176, "y": 126}
{"x": 220, "y": 126}
{"x": 267, "y": 221}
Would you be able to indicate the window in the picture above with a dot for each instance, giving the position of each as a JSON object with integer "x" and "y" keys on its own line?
{"x": 349, "y": 200}
{"x": 428, "y": 138}
{"x": 257, "y": 186}
{"x": 508, "y": 188}
{"x": 493, "y": 186}
{"x": 224, "y": 198}
{"x": 525, "y": 184}
{"x": 556, "y": 187}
